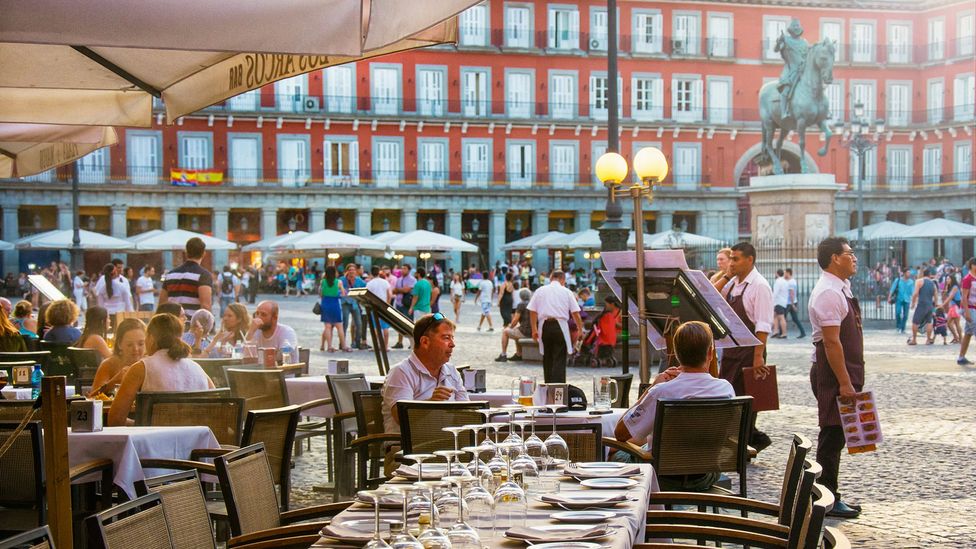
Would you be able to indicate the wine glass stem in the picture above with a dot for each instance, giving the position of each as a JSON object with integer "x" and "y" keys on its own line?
{"x": 460, "y": 502}
{"x": 376, "y": 518}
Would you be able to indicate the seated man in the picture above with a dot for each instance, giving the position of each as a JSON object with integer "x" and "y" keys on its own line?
{"x": 693, "y": 346}
{"x": 519, "y": 328}
{"x": 266, "y": 331}
{"x": 426, "y": 373}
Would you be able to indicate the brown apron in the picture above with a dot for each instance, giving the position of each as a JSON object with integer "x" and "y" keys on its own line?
{"x": 822, "y": 378}
{"x": 734, "y": 359}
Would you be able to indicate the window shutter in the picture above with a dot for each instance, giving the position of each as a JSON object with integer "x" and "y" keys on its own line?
{"x": 657, "y": 100}
{"x": 574, "y": 26}
{"x": 657, "y": 24}
{"x": 552, "y": 29}
{"x": 696, "y": 100}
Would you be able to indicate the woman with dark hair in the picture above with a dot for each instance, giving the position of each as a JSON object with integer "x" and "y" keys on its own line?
{"x": 166, "y": 367}
{"x": 111, "y": 292}
{"x": 93, "y": 335}
{"x": 130, "y": 347}
{"x": 435, "y": 293}
{"x": 506, "y": 299}
{"x": 331, "y": 290}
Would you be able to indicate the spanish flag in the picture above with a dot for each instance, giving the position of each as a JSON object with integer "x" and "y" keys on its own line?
{"x": 194, "y": 178}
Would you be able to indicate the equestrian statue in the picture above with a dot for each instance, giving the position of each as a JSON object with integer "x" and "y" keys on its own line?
{"x": 797, "y": 100}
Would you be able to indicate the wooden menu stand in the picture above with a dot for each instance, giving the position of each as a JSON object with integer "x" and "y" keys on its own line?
{"x": 54, "y": 419}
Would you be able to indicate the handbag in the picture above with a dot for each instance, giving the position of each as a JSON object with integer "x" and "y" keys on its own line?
{"x": 317, "y": 308}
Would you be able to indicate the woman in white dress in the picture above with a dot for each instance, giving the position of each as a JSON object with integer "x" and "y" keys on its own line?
{"x": 80, "y": 289}
{"x": 112, "y": 293}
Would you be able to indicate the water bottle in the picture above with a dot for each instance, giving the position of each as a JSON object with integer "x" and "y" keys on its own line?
{"x": 286, "y": 351}
{"x": 238, "y": 351}
{"x": 36, "y": 376}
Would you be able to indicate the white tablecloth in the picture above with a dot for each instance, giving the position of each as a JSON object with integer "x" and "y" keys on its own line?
{"x": 24, "y": 393}
{"x": 304, "y": 389}
{"x": 126, "y": 445}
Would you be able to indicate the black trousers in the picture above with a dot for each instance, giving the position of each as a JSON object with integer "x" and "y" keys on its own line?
{"x": 554, "y": 357}
{"x": 830, "y": 442}
{"x": 799, "y": 325}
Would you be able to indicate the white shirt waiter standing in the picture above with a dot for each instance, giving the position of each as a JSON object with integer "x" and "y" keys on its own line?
{"x": 550, "y": 309}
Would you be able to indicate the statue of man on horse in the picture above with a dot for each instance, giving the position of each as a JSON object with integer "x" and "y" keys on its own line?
{"x": 793, "y": 49}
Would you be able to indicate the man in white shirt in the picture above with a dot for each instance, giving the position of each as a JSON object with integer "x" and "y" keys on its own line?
{"x": 550, "y": 309}
{"x": 693, "y": 346}
{"x": 781, "y": 301}
{"x": 427, "y": 373}
{"x": 379, "y": 287}
{"x": 794, "y": 302}
{"x": 751, "y": 298}
{"x": 266, "y": 331}
{"x": 146, "y": 289}
{"x": 485, "y": 290}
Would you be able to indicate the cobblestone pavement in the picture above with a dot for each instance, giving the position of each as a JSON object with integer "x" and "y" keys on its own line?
{"x": 916, "y": 490}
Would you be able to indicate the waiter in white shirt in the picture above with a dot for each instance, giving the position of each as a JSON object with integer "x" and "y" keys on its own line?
{"x": 550, "y": 309}
{"x": 838, "y": 358}
{"x": 751, "y": 298}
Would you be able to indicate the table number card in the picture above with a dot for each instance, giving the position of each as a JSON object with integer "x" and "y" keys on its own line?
{"x": 337, "y": 366}
{"x": 556, "y": 393}
{"x": 86, "y": 416}
{"x": 21, "y": 376}
{"x": 474, "y": 380}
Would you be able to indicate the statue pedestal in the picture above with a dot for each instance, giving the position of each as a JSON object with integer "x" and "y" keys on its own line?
{"x": 792, "y": 207}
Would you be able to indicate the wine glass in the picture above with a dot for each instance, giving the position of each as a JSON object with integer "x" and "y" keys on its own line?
{"x": 475, "y": 462}
{"x": 511, "y": 410}
{"x": 523, "y": 464}
{"x": 481, "y": 504}
{"x": 375, "y": 495}
{"x": 434, "y": 537}
{"x": 453, "y": 465}
{"x": 461, "y": 534}
{"x": 497, "y": 462}
{"x": 455, "y": 431}
{"x": 420, "y": 459}
{"x": 403, "y": 539}
{"x": 556, "y": 447}
{"x": 510, "y": 503}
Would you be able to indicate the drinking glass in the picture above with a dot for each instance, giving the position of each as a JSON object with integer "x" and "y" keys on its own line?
{"x": 510, "y": 503}
{"x": 511, "y": 410}
{"x": 454, "y": 467}
{"x": 481, "y": 504}
{"x": 556, "y": 448}
{"x": 524, "y": 465}
{"x": 434, "y": 537}
{"x": 403, "y": 539}
{"x": 375, "y": 495}
{"x": 604, "y": 392}
{"x": 497, "y": 462}
{"x": 420, "y": 459}
{"x": 461, "y": 534}
{"x": 533, "y": 444}
{"x": 523, "y": 390}
{"x": 455, "y": 431}
{"x": 475, "y": 462}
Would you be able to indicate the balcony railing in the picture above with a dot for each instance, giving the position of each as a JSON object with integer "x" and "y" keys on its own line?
{"x": 915, "y": 183}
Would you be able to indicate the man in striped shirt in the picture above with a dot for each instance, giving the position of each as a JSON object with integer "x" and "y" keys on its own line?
{"x": 190, "y": 284}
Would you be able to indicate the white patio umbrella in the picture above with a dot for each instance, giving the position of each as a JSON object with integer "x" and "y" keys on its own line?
{"x": 328, "y": 240}
{"x": 101, "y": 63}
{"x": 5, "y": 246}
{"x": 142, "y": 236}
{"x": 632, "y": 239}
{"x": 877, "y": 231}
{"x": 939, "y": 228}
{"x": 581, "y": 240}
{"x": 28, "y": 149}
{"x": 62, "y": 240}
{"x": 679, "y": 239}
{"x": 274, "y": 243}
{"x": 175, "y": 240}
{"x": 426, "y": 241}
{"x": 533, "y": 241}
{"x": 386, "y": 236}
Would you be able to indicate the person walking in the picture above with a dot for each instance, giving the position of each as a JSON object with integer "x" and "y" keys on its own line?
{"x": 838, "y": 367}
{"x": 951, "y": 300}
{"x": 923, "y": 301}
{"x": 900, "y": 295}
{"x": 457, "y": 295}
{"x": 968, "y": 310}
{"x": 506, "y": 297}
{"x": 550, "y": 309}
{"x": 79, "y": 287}
{"x": 112, "y": 291}
{"x": 794, "y": 305}
{"x": 351, "y": 316}
{"x": 781, "y": 301}
{"x": 146, "y": 289}
{"x": 402, "y": 290}
{"x": 485, "y": 292}
{"x": 190, "y": 284}
{"x": 330, "y": 291}
{"x": 229, "y": 285}
{"x": 422, "y": 291}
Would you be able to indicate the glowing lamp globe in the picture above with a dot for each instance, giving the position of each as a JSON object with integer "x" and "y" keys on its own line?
{"x": 650, "y": 163}
{"x": 611, "y": 168}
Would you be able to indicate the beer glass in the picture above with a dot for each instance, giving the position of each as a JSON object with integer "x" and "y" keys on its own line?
{"x": 604, "y": 392}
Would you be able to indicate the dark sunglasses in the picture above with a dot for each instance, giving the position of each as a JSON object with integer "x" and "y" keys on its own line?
{"x": 434, "y": 319}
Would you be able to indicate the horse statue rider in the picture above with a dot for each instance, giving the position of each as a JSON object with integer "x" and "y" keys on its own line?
{"x": 793, "y": 49}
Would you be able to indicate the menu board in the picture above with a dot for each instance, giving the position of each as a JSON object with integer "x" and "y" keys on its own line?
{"x": 859, "y": 418}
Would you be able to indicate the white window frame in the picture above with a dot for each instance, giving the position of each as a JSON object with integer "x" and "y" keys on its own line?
{"x": 597, "y": 149}
{"x": 392, "y": 105}
{"x": 932, "y": 164}
{"x": 95, "y": 167}
{"x": 868, "y": 92}
{"x": 684, "y": 179}
{"x": 244, "y": 176}
{"x": 835, "y": 100}
{"x": 838, "y": 36}
{"x": 900, "y": 180}
{"x": 347, "y": 174}
{"x": 644, "y": 41}
{"x": 720, "y": 46}
{"x": 477, "y": 107}
{"x": 516, "y": 107}
{"x": 519, "y": 36}
{"x": 140, "y": 172}
{"x": 340, "y": 103}
{"x": 722, "y": 115}
{"x": 898, "y": 115}
{"x": 656, "y": 100}
{"x": 935, "y": 102}
{"x": 520, "y": 174}
{"x": 301, "y": 175}
{"x": 690, "y": 43}
{"x": 474, "y": 26}
{"x": 387, "y": 173}
{"x": 431, "y": 102}
{"x": 476, "y": 173}
{"x": 965, "y": 34}
{"x": 249, "y": 101}
{"x": 288, "y": 99}
{"x": 769, "y": 36}
{"x": 599, "y": 34}
{"x": 964, "y": 97}
{"x": 687, "y": 109}
{"x": 563, "y": 178}
{"x": 431, "y": 171}
{"x": 197, "y": 144}
{"x": 870, "y": 169}
{"x": 563, "y": 109}
{"x": 936, "y": 34}
{"x": 899, "y": 52}
{"x": 962, "y": 162}
{"x": 862, "y": 48}
{"x": 601, "y": 113}
{"x": 559, "y": 38}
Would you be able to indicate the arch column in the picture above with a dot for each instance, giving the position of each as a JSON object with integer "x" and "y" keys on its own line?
{"x": 11, "y": 233}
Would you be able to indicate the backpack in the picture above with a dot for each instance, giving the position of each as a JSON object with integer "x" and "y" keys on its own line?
{"x": 226, "y": 284}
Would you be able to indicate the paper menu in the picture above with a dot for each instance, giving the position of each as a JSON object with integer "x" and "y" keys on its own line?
{"x": 859, "y": 419}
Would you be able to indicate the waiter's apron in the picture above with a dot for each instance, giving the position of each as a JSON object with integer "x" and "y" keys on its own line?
{"x": 734, "y": 359}
{"x": 822, "y": 378}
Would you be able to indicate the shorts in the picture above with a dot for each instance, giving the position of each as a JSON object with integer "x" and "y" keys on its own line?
{"x": 970, "y": 328}
{"x": 486, "y": 308}
{"x": 515, "y": 333}
{"x": 922, "y": 316}
{"x": 779, "y": 309}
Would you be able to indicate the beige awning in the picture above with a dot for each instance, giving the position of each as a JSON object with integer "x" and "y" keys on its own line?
{"x": 28, "y": 149}
{"x": 68, "y": 62}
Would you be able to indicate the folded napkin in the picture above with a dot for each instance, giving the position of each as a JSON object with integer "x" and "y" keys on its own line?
{"x": 628, "y": 471}
{"x": 344, "y": 533}
{"x": 529, "y": 533}
{"x": 596, "y": 499}
{"x": 431, "y": 471}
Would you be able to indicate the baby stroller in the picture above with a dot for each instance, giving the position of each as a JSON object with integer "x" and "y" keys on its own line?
{"x": 590, "y": 353}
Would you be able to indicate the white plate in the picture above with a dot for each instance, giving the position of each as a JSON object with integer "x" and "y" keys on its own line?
{"x": 387, "y": 501}
{"x": 601, "y": 465}
{"x": 367, "y": 526}
{"x": 583, "y": 517}
{"x": 568, "y": 545}
{"x": 609, "y": 483}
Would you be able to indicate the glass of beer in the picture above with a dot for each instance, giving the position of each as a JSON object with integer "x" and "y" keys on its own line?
{"x": 523, "y": 390}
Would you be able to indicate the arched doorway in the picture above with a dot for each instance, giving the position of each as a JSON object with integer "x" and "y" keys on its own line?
{"x": 755, "y": 163}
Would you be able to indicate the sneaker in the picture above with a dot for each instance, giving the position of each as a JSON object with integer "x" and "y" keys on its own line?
{"x": 397, "y": 346}
{"x": 963, "y": 361}
{"x": 501, "y": 358}
{"x": 515, "y": 357}
{"x": 491, "y": 329}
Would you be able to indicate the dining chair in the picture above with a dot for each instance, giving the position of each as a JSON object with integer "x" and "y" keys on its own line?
{"x": 782, "y": 510}
{"x": 23, "y": 500}
{"x": 185, "y": 508}
{"x": 143, "y": 397}
{"x": 247, "y": 483}
{"x": 138, "y": 523}
{"x": 59, "y": 363}
{"x": 261, "y": 389}
{"x": 214, "y": 367}
{"x": 15, "y": 410}
{"x": 38, "y": 538}
{"x": 34, "y": 357}
{"x": 421, "y": 422}
{"x": 371, "y": 439}
{"x": 832, "y": 539}
{"x": 697, "y": 436}
{"x": 584, "y": 440}
{"x": 342, "y": 387}
{"x": 85, "y": 363}
{"x": 224, "y": 415}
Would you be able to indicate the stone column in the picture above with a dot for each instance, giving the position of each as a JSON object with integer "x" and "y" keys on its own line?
{"x": 408, "y": 220}
{"x": 540, "y": 224}
{"x": 582, "y": 223}
{"x": 64, "y": 217}
{"x": 171, "y": 221}
{"x": 364, "y": 228}
{"x": 665, "y": 221}
{"x": 918, "y": 250}
{"x": 269, "y": 223}
{"x": 453, "y": 227}
{"x": 11, "y": 233}
{"x": 118, "y": 226}
{"x": 220, "y": 220}
{"x": 496, "y": 237}
{"x": 316, "y": 219}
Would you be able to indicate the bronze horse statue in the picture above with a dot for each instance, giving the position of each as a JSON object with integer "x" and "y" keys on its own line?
{"x": 808, "y": 106}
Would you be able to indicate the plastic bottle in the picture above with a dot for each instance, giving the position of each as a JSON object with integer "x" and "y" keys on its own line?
{"x": 238, "y": 351}
{"x": 36, "y": 376}
{"x": 286, "y": 353}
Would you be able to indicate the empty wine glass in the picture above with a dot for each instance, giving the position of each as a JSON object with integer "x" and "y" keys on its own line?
{"x": 556, "y": 448}
{"x": 434, "y": 537}
{"x": 475, "y": 462}
{"x": 497, "y": 462}
{"x": 403, "y": 539}
{"x": 510, "y": 503}
{"x": 375, "y": 495}
{"x": 455, "y": 431}
{"x": 454, "y": 467}
{"x": 480, "y": 502}
{"x": 461, "y": 534}
{"x": 524, "y": 465}
{"x": 511, "y": 410}
{"x": 420, "y": 459}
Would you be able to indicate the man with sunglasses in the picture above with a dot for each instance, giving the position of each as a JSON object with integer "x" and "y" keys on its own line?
{"x": 426, "y": 374}
{"x": 838, "y": 359}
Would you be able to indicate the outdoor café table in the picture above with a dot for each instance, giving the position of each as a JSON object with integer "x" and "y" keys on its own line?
{"x": 307, "y": 388}
{"x": 608, "y": 421}
{"x": 630, "y": 519}
{"x": 125, "y": 446}
{"x": 24, "y": 393}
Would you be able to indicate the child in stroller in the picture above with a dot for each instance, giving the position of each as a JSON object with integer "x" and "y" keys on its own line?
{"x": 597, "y": 345}
{"x": 940, "y": 324}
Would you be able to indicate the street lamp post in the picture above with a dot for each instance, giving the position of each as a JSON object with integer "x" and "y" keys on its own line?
{"x": 651, "y": 166}
{"x": 613, "y": 235}
{"x": 425, "y": 256}
{"x": 860, "y": 140}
